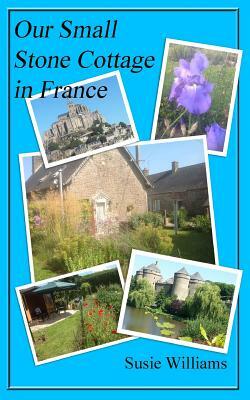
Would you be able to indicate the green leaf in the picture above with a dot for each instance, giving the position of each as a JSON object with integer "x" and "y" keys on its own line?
{"x": 166, "y": 332}
{"x": 219, "y": 340}
{"x": 185, "y": 338}
{"x": 165, "y": 325}
{"x": 203, "y": 333}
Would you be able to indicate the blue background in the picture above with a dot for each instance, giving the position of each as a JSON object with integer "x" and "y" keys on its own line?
{"x": 138, "y": 33}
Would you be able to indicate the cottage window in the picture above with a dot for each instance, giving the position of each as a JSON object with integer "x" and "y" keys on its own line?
{"x": 156, "y": 205}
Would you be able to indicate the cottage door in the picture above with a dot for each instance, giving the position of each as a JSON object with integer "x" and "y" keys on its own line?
{"x": 100, "y": 213}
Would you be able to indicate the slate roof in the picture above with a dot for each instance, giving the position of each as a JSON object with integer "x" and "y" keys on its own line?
{"x": 43, "y": 178}
{"x": 197, "y": 276}
{"x": 182, "y": 271}
{"x": 185, "y": 178}
{"x": 153, "y": 267}
{"x": 170, "y": 281}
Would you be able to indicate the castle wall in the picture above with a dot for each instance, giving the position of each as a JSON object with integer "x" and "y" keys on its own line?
{"x": 167, "y": 287}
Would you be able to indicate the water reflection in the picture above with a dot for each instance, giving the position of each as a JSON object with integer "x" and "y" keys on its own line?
{"x": 136, "y": 320}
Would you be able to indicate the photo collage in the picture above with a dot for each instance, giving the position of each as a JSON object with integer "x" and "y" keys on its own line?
{"x": 121, "y": 233}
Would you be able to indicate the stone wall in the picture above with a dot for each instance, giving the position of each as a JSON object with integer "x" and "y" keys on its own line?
{"x": 192, "y": 200}
{"x": 109, "y": 176}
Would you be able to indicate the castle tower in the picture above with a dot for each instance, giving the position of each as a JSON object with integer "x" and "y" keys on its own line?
{"x": 195, "y": 281}
{"x": 152, "y": 273}
{"x": 181, "y": 284}
{"x": 139, "y": 274}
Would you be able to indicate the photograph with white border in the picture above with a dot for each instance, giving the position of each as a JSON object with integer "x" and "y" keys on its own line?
{"x": 97, "y": 209}
{"x": 196, "y": 93}
{"x": 73, "y": 313}
{"x": 179, "y": 301}
{"x": 81, "y": 119}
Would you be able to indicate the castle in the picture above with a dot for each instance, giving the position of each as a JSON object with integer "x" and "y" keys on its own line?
{"x": 181, "y": 284}
{"x": 78, "y": 118}
{"x": 80, "y": 130}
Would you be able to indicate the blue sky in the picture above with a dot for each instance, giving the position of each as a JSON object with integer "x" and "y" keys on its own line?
{"x": 159, "y": 156}
{"x": 168, "y": 268}
{"x": 112, "y": 107}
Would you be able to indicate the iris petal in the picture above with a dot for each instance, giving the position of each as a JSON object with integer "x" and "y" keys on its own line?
{"x": 190, "y": 88}
{"x": 215, "y": 137}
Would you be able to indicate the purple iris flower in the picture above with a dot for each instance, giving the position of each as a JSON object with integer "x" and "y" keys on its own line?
{"x": 190, "y": 88}
{"x": 215, "y": 137}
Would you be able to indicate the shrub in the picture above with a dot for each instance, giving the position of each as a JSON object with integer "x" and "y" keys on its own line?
{"x": 212, "y": 328}
{"x": 201, "y": 223}
{"x": 149, "y": 218}
{"x": 181, "y": 217}
{"x": 160, "y": 298}
{"x": 53, "y": 146}
{"x": 151, "y": 239}
{"x": 110, "y": 296}
{"x": 175, "y": 307}
{"x": 73, "y": 144}
{"x": 143, "y": 295}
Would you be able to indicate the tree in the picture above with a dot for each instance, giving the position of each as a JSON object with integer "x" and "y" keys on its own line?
{"x": 226, "y": 290}
{"x": 206, "y": 303}
{"x": 160, "y": 298}
{"x": 143, "y": 295}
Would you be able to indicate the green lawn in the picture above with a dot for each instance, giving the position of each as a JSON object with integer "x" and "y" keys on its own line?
{"x": 59, "y": 338}
{"x": 192, "y": 245}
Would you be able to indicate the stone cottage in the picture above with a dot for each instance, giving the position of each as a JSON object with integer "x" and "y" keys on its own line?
{"x": 180, "y": 285}
{"x": 111, "y": 181}
{"x": 185, "y": 185}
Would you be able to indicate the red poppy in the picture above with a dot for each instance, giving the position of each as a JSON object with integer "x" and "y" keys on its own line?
{"x": 100, "y": 312}
{"x": 85, "y": 304}
{"x": 114, "y": 331}
{"x": 110, "y": 307}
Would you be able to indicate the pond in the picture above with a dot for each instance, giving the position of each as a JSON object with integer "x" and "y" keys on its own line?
{"x": 136, "y": 320}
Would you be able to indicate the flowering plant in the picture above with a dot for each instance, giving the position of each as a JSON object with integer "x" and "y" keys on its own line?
{"x": 196, "y": 95}
{"x": 99, "y": 324}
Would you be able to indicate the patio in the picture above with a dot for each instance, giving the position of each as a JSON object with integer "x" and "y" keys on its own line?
{"x": 52, "y": 320}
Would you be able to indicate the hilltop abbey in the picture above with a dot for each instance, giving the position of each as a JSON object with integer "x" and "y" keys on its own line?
{"x": 180, "y": 285}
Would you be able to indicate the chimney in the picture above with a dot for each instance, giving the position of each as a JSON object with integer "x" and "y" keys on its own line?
{"x": 145, "y": 171}
{"x": 36, "y": 163}
{"x": 137, "y": 156}
{"x": 175, "y": 166}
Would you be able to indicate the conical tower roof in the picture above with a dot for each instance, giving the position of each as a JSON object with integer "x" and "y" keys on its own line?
{"x": 182, "y": 271}
{"x": 197, "y": 276}
{"x": 153, "y": 267}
